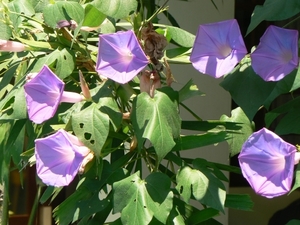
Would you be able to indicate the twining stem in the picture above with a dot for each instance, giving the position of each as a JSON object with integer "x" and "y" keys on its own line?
{"x": 34, "y": 207}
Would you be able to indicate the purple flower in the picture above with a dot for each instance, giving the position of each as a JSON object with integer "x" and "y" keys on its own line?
{"x": 267, "y": 162}
{"x": 120, "y": 56}
{"x": 218, "y": 48}
{"x": 277, "y": 54}
{"x": 43, "y": 94}
{"x": 59, "y": 158}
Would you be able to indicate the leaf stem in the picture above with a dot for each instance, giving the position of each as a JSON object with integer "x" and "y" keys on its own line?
{"x": 298, "y": 17}
{"x": 190, "y": 111}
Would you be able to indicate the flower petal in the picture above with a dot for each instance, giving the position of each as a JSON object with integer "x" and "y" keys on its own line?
{"x": 120, "y": 56}
{"x": 267, "y": 162}
{"x": 43, "y": 94}
{"x": 277, "y": 53}
{"x": 58, "y": 158}
{"x": 218, "y": 48}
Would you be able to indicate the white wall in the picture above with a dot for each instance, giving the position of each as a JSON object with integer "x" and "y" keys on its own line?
{"x": 190, "y": 15}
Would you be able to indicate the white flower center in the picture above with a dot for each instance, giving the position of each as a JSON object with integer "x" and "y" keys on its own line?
{"x": 225, "y": 50}
{"x": 127, "y": 56}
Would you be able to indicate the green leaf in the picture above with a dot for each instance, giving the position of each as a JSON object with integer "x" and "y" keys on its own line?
{"x": 64, "y": 60}
{"x": 211, "y": 124}
{"x": 46, "y": 60}
{"x": 15, "y": 142}
{"x": 175, "y": 218}
{"x": 6, "y": 30}
{"x": 247, "y": 89}
{"x": 39, "y": 5}
{"x": 92, "y": 16}
{"x": 63, "y": 10}
{"x": 50, "y": 191}
{"x": 83, "y": 202}
{"x": 202, "y": 215}
{"x": 15, "y": 105}
{"x": 139, "y": 200}
{"x": 189, "y": 90}
{"x": 117, "y": 9}
{"x": 65, "y": 63}
{"x": 104, "y": 97}
{"x": 288, "y": 84}
{"x": 5, "y": 156}
{"x": 91, "y": 126}
{"x": 239, "y": 202}
{"x": 178, "y": 55}
{"x": 246, "y": 129}
{"x": 289, "y": 112}
{"x": 157, "y": 120}
{"x": 202, "y": 185}
{"x": 181, "y": 37}
{"x": 273, "y": 10}
{"x": 199, "y": 140}
{"x": 19, "y": 7}
{"x": 293, "y": 222}
{"x": 297, "y": 179}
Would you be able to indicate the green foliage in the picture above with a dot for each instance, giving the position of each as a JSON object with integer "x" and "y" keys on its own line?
{"x": 137, "y": 137}
{"x": 238, "y": 138}
{"x": 91, "y": 126}
{"x": 157, "y": 120}
{"x": 273, "y": 10}
{"x": 201, "y": 184}
{"x": 117, "y": 9}
{"x": 63, "y": 10}
{"x": 140, "y": 200}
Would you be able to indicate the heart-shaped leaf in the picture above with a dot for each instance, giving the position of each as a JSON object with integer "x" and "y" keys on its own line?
{"x": 139, "y": 200}
{"x": 91, "y": 126}
{"x": 157, "y": 120}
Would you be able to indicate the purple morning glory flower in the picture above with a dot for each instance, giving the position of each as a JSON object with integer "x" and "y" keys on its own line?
{"x": 267, "y": 162}
{"x": 59, "y": 158}
{"x": 218, "y": 48}
{"x": 277, "y": 53}
{"x": 120, "y": 56}
{"x": 43, "y": 93}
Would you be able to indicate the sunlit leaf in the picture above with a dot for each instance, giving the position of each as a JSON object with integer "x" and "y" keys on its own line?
{"x": 181, "y": 37}
{"x": 116, "y": 8}
{"x": 246, "y": 129}
{"x": 201, "y": 185}
{"x": 189, "y": 90}
{"x": 140, "y": 200}
{"x": 63, "y": 59}
{"x": 91, "y": 126}
{"x": 273, "y": 10}
{"x": 157, "y": 120}
{"x": 16, "y": 105}
{"x": 63, "y": 10}
{"x": 19, "y": 7}
{"x": 93, "y": 17}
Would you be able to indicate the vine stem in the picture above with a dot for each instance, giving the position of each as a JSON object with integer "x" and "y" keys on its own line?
{"x": 34, "y": 207}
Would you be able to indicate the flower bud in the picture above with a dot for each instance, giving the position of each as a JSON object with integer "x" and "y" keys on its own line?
{"x": 11, "y": 46}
